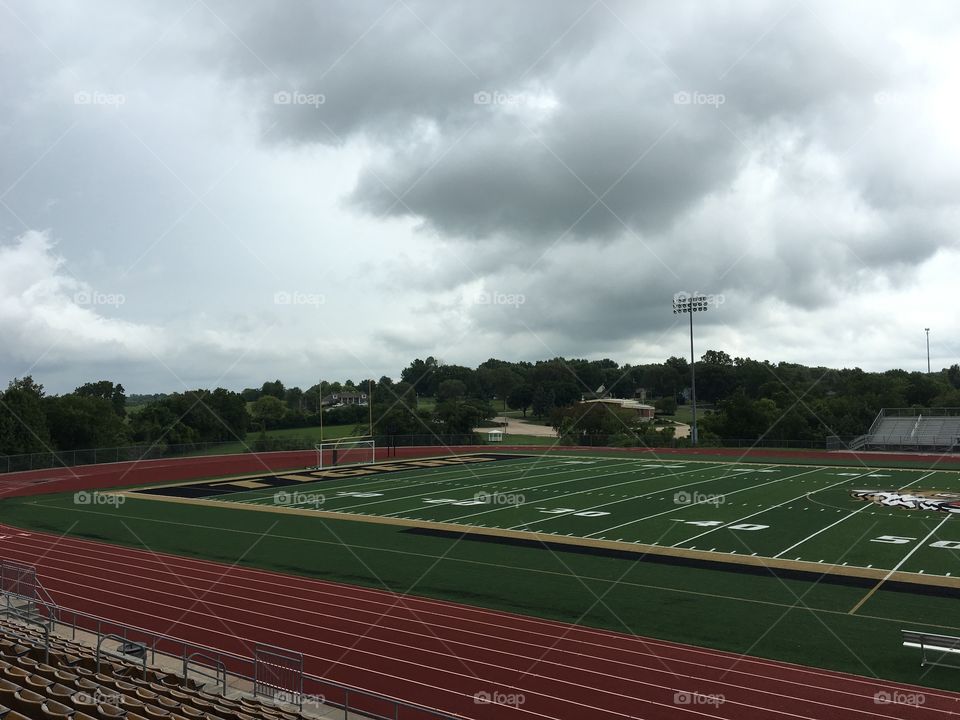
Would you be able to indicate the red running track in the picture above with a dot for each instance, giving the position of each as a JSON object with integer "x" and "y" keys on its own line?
{"x": 442, "y": 654}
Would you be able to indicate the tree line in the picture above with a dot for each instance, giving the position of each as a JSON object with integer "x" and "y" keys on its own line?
{"x": 742, "y": 398}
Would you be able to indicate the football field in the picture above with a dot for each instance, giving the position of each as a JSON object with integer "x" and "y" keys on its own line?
{"x": 777, "y": 515}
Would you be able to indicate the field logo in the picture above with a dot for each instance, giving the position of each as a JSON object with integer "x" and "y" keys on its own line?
{"x": 932, "y": 500}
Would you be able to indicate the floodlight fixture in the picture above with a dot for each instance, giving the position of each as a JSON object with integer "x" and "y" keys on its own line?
{"x": 690, "y": 303}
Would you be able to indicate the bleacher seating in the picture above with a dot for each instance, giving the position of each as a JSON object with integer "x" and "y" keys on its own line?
{"x": 61, "y": 681}
{"x": 914, "y": 430}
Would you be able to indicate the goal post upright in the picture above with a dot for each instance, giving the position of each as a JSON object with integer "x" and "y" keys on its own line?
{"x": 359, "y": 450}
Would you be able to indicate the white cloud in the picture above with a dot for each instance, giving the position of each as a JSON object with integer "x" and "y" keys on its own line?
{"x": 826, "y": 217}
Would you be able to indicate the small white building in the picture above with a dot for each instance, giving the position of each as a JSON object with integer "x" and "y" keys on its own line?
{"x": 495, "y": 435}
{"x": 641, "y": 409}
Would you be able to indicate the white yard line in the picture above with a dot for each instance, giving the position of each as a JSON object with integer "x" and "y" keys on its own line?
{"x": 561, "y": 482}
{"x": 469, "y": 476}
{"x": 683, "y": 507}
{"x": 766, "y": 509}
{"x": 614, "y": 502}
{"x": 847, "y": 517}
{"x": 906, "y": 557}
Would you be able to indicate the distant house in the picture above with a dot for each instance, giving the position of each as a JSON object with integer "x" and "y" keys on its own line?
{"x": 641, "y": 409}
{"x": 344, "y": 398}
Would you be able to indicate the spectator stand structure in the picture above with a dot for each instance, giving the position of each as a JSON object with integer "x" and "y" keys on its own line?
{"x": 61, "y": 664}
{"x": 908, "y": 429}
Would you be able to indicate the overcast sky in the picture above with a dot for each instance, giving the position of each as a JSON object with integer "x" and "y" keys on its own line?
{"x": 207, "y": 193}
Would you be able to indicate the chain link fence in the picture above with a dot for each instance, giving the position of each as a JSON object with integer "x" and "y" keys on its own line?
{"x": 93, "y": 456}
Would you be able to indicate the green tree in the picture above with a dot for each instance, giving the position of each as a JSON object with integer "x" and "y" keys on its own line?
{"x": 666, "y": 405}
{"x": 268, "y": 410}
{"x": 542, "y": 401}
{"x": 521, "y": 397}
{"x": 79, "y": 421}
{"x": 108, "y": 391}
{"x": 422, "y": 375}
{"x": 24, "y": 426}
{"x": 457, "y": 417}
{"x": 274, "y": 389}
{"x": 451, "y": 390}
{"x": 953, "y": 375}
{"x": 504, "y": 380}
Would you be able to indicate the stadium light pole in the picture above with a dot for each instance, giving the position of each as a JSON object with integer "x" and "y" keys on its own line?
{"x": 927, "y": 330}
{"x": 689, "y": 304}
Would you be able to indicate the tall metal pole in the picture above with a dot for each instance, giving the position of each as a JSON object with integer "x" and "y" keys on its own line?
{"x": 321, "y": 409}
{"x": 370, "y": 403}
{"x": 928, "y": 350}
{"x": 693, "y": 388}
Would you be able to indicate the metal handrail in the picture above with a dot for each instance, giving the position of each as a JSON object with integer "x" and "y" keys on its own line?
{"x": 166, "y": 645}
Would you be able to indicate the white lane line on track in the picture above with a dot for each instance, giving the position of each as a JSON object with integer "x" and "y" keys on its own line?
{"x": 682, "y": 648}
{"x": 339, "y": 589}
{"x": 593, "y": 691}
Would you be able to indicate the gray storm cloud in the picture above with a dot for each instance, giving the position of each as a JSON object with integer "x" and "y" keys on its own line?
{"x": 403, "y": 159}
